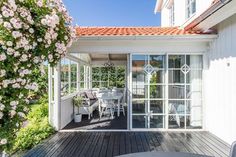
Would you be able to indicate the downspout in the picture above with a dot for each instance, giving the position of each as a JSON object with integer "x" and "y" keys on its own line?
{"x": 213, "y": 8}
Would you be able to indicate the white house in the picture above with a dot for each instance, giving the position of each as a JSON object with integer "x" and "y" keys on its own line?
{"x": 180, "y": 76}
{"x": 219, "y": 74}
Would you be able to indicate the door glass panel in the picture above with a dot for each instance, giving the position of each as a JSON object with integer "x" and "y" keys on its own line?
{"x": 157, "y": 77}
{"x": 157, "y": 61}
{"x": 176, "y": 76}
{"x": 139, "y": 121}
{"x": 194, "y": 91}
{"x": 194, "y": 107}
{"x": 193, "y": 123}
{"x": 176, "y": 91}
{"x": 184, "y": 96}
{"x": 157, "y": 91}
{"x": 139, "y": 106}
{"x": 139, "y": 61}
{"x": 176, "y": 61}
{"x": 194, "y": 77}
{"x": 139, "y": 77}
{"x": 194, "y": 61}
{"x": 140, "y": 91}
{"x": 194, "y": 113}
{"x": 176, "y": 107}
{"x": 156, "y": 121}
{"x": 157, "y": 106}
{"x": 176, "y": 121}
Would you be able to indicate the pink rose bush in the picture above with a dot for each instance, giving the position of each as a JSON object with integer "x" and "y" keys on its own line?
{"x": 31, "y": 32}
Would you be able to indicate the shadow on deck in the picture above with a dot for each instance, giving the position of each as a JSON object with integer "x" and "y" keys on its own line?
{"x": 95, "y": 123}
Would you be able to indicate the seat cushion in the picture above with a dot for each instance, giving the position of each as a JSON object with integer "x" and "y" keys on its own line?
{"x": 90, "y": 95}
{"x": 93, "y": 101}
{"x": 83, "y": 95}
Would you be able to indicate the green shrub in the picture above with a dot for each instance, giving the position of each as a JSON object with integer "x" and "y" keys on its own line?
{"x": 37, "y": 129}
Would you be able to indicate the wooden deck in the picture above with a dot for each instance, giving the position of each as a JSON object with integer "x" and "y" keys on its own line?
{"x": 107, "y": 144}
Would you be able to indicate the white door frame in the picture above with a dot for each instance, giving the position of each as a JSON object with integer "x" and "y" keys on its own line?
{"x": 165, "y": 128}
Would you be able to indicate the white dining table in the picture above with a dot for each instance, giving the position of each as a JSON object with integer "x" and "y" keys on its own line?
{"x": 110, "y": 96}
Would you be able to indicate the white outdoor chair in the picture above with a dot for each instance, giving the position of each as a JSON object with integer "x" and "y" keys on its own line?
{"x": 233, "y": 150}
{"x": 123, "y": 103}
{"x": 107, "y": 107}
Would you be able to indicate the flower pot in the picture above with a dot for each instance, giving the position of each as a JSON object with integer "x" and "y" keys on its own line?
{"x": 77, "y": 118}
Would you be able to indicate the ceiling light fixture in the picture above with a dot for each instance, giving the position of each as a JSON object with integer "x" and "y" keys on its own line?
{"x": 109, "y": 64}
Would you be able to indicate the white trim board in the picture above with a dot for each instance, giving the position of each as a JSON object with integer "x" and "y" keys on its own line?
{"x": 138, "y": 46}
{"x": 217, "y": 17}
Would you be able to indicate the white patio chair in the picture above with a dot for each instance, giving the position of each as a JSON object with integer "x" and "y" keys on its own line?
{"x": 122, "y": 103}
{"x": 107, "y": 107}
{"x": 233, "y": 150}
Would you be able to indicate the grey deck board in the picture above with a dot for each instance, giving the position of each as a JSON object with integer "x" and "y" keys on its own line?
{"x": 72, "y": 145}
{"x": 105, "y": 143}
{"x": 128, "y": 148}
{"x": 188, "y": 144}
{"x": 139, "y": 143}
{"x": 87, "y": 145}
{"x": 159, "y": 138}
{"x": 97, "y": 148}
{"x": 156, "y": 142}
{"x": 80, "y": 146}
{"x": 93, "y": 145}
{"x": 145, "y": 144}
{"x": 50, "y": 147}
{"x": 108, "y": 144}
{"x": 219, "y": 143}
{"x": 111, "y": 145}
{"x": 116, "y": 148}
{"x": 198, "y": 144}
{"x": 122, "y": 144}
{"x": 207, "y": 146}
{"x": 134, "y": 146}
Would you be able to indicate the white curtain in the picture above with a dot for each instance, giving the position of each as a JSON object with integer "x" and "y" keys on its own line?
{"x": 195, "y": 93}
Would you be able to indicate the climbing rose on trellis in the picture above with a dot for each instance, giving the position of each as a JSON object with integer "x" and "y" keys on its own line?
{"x": 31, "y": 32}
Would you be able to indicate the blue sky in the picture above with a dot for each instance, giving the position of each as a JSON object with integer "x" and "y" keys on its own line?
{"x": 113, "y": 12}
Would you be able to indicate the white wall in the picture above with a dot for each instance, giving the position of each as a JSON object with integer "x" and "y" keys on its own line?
{"x": 165, "y": 17}
{"x": 220, "y": 83}
{"x": 180, "y": 12}
{"x": 66, "y": 110}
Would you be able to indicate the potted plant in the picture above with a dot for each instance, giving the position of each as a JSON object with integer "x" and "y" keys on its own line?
{"x": 77, "y": 102}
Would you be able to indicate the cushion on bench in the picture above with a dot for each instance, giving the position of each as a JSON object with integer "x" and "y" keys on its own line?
{"x": 90, "y": 95}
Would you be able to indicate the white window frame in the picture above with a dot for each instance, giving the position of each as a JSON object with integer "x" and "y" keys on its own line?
{"x": 86, "y": 73}
{"x": 166, "y": 98}
{"x": 190, "y": 11}
{"x": 172, "y": 15}
{"x": 107, "y": 82}
{"x": 148, "y": 99}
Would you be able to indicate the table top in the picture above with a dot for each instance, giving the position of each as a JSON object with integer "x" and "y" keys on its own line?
{"x": 163, "y": 154}
{"x": 110, "y": 96}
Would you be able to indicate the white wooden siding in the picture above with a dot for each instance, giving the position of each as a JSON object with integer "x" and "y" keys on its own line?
{"x": 220, "y": 83}
{"x": 66, "y": 110}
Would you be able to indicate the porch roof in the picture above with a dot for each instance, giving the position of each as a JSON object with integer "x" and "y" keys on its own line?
{"x": 135, "y": 31}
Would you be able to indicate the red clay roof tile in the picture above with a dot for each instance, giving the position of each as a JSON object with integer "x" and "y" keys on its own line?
{"x": 133, "y": 31}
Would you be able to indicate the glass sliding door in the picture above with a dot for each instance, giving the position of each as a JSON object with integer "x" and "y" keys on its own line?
{"x": 184, "y": 91}
{"x": 148, "y": 85}
{"x": 166, "y": 91}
